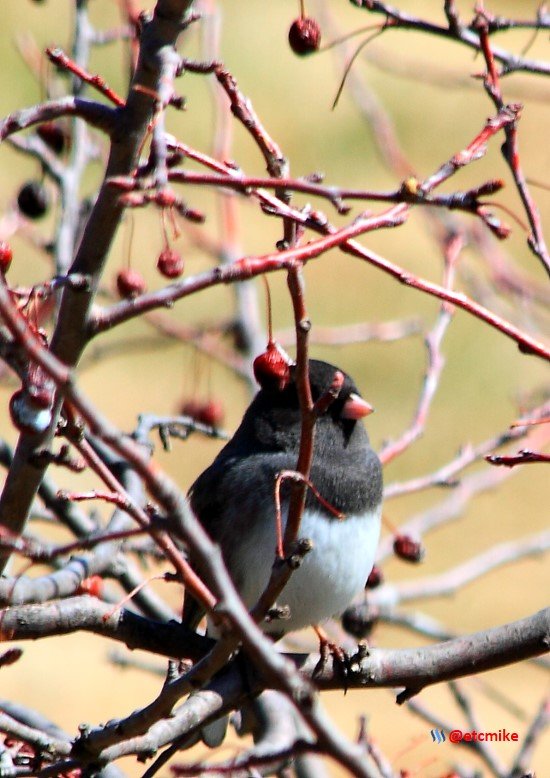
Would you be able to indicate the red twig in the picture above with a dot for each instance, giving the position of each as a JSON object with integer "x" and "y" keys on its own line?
{"x": 293, "y": 475}
{"x": 523, "y": 457}
{"x": 344, "y": 239}
{"x": 63, "y": 378}
{"x": 510, "y": 148}
{"x": 436, "y": 362}
{"x": 59, "y": 58}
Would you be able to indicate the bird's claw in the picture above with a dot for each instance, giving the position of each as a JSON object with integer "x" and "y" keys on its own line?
{"x": 340, "y": 657}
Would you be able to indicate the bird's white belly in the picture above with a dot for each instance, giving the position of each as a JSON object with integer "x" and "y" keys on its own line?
{"x": 331, "y": 575}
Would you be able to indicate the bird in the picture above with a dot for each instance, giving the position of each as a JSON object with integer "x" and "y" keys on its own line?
{"x": 234, "y": 500}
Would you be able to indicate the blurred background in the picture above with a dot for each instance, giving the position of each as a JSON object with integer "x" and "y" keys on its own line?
{"x": 425, "y": 88}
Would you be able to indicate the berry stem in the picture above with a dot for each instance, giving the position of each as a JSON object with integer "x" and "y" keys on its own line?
{"x": 269, "y": 310}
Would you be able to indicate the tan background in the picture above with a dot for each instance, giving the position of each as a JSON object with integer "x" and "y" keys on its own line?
{"x": 484, "y": 383}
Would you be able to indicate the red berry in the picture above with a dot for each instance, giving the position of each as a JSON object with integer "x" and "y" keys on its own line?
{"x": 210, "y": 413}
{"x": 408, "y": 549}
{"x": 170, "y": 263}
{"x": 375, "y": 578}
{"x": 165, "y": 198}
{"x": 5, "y": 256}
{"x": 304, "y": 36}
{"x": 33, "y": 199}
{"x": 130, "y": 283}
{"x": 53, "y": 136}
{"x": 92, "y": 586}
{"x": 272, "y": 368}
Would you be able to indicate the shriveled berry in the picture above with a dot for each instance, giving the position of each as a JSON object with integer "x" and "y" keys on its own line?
{"x": 5, "y": 256}
{"x": 375, "y": 578}
{"x": 53, "y": 136}
{"x": 170, "y": 263}
{"x": 33, "y": 199}
{"x": 272, "y": 368}
{"x": 304, "y": 36}
{"x": 408, "y": 549}
{"x": 130, "y": 283}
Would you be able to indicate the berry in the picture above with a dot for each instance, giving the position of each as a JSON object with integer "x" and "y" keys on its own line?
{"x": 28, "y": 416}
{"x": 272, "y": 368}
{"x": 170, "y": 263}
{"x": 190, "y": 408}
{"x": 10, "y": 656}
{"x": 5, "y": 256}
{"x": 53, "y": 136}
{"x": 166, "y": 198}
{"x": 304, "y": 36}
{"x": 408, "y": 549}
{"x": 41, "y": 395}
{"x": 33, "y": 199}
{"x": 375, "y": 578}
{"x": 92, "y": 586}
{"x": 130, "y": 283}
{"x": 360, "y": 620}
{"x": 210, "y": 413}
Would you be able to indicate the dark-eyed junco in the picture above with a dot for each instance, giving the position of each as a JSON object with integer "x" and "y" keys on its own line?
{"x": 234, "y": 499}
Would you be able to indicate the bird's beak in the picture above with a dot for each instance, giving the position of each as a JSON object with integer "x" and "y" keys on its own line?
{"x": 356, "y": 408}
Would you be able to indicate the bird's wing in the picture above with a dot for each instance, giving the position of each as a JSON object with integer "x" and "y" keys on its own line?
{"x": 226, "y": 498}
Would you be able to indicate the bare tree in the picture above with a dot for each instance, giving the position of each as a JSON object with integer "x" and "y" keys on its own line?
{"x": 64, "y": 451}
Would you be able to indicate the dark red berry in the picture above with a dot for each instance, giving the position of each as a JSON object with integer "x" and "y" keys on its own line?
{"x": 53, "y": 136}
{"x": 360, "y": 620}
{"x": 408, "y": 549}
{"x": 5, "y": 256}
{"x": 211, "y": 413}
{"x": 41, "y": 395}
{"x": 10, "y": 656}
{"x": 170, "y": 263}
{"x": 272, "y": 368}
{"x": 33, "y": 199}
{"x": 40, "y": 387}
{"x": 304, "y": 36}
{"x": 130, "y": 283}
{"x": 26, "y": 416}
{"x": 375, "y": 578}
{"x": 190, "y": 408}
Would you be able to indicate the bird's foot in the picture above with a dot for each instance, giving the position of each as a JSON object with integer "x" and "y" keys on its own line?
{"x": 328, "y": 649}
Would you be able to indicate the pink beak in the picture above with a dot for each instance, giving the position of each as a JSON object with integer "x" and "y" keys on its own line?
{"x": 356, "y": 408}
